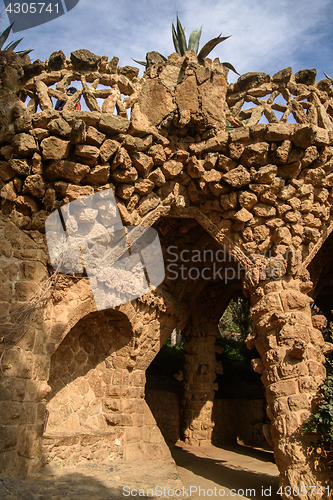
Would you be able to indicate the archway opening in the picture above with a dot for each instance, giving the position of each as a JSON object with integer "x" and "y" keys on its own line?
{"x": 205, "y": 276}
{"x": 239, "y": 410}
{"x": 89, "y": 368}
{"x": 163, "y": 391}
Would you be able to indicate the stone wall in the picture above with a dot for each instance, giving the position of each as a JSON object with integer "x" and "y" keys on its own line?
{"x": 264, "y": 187}
{"x": 239, "y": 421}
{"x": 235, "y": 420}
{"x": 263, "y": 191}
{"x": 94, "y": 393}
{"x": 25, "y": 366}
{"x": 165, "y": 407}
{"x": 36, "y": 372}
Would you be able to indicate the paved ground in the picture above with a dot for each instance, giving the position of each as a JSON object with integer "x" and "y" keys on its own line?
{"x": 234, "y": 468}
{"x": 92, "y": 481}
{"x": 216, "y": 471}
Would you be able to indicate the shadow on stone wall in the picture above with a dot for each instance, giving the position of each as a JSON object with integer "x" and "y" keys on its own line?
{"x": 236, "y": 420}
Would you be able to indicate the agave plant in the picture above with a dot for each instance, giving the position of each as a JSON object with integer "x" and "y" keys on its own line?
{"x": 181, "y": 44}
{"x": 12, "y": 45}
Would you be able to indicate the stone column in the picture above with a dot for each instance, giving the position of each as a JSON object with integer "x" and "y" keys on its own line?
{"x": 24, "y": 364}
{"x": 199, "y": 386}
{"x": 292, "y": 372}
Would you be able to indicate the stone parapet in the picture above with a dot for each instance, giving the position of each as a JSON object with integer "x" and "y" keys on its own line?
{"x": 258, "y": 187}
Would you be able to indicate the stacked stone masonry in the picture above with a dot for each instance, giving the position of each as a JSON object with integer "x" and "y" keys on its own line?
{"x": 261, "y": 190}
{"x": 235, "y": 420}
{"x": 199, "y": 387}
{"x": 165, "y": 406}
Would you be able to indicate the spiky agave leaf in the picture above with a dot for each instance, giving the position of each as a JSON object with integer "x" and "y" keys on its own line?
{"x": 13, "y": 45}
{"x": 193, "y": 42}
{"x": 230, "y": 66}
{"x": 4, "y": 35}
{"x": 181, "y": 37}
{"x": 328, "y": 76}
{"x": 175, "y": 39}
{"x": 23, "y": 53}
{"x": 163, "y": 57}
{"x": 181, "y": 46}
{"x": 209, "y": 46}
{"x": 143, "y": 63}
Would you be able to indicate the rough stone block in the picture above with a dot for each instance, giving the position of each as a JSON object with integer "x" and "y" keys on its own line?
{"x": 283, "y": 388}
{"x": 54, "y": 148}
{"x": 24, "y": 145}
{"x": 294, "y": 300}
{"x": 29, "y": 441}
{"x": 9, "y": 437}
{"x": 299, "y": 402}
{"x": 308, "y": 384}
{"x": 118, "y": 419}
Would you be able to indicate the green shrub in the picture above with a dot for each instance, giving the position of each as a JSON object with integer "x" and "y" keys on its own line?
{"x": 238, "y": 379}
{"x": 237, "y": 318}
{"x": 320, "y": 424}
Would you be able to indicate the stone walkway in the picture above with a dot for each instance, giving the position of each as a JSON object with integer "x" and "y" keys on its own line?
{"x": 93, "y": 481}
{"x": 12, "y": 489}
{"x": 212, "y": 469}
{"x": 250, "y": 472}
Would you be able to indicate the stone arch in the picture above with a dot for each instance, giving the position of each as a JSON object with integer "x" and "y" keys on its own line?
{"x": 65, "y": 309}
{"x": 116, "y": 383}
{"x": 206, "y": 295}
{"x": 96, "y": 393}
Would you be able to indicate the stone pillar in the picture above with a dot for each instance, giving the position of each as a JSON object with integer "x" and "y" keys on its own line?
{"x": 24, "y": 364}
{"x": 199, "y": 386}
{"x": 292, "y": 372}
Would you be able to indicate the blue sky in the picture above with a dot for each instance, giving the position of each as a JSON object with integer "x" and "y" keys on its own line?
{"x": 266, "y": 36}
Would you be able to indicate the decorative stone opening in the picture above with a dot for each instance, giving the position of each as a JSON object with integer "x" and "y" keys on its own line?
{"x": 96, "y": 405}
{"x": 236, "y": 414}
{"x": 205, "y": 275}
